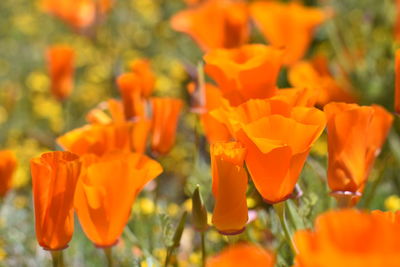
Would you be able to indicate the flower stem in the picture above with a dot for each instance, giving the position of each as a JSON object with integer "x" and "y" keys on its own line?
{"x": 57, "y": 258}
{"x": 203, "y": 249}
{"x": 108, "y": 253}
{"x": 280, "y": 211}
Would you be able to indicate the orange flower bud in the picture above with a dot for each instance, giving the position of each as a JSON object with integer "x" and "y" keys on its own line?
{"x": 215, "y": 23}
{"x": 242, "y": 254}
{"x": 229, "y": 187}
{"x": 107, "y": 190}
{"x": 8, "y": 165}
{"x": 61, "y": 70}
{"x": 349, "y": 238}
{"x": 54, "y": 177}
{"x": 355, "y": 137}
{"x": 245, "y": 73}
{"x": 288, "y": 25}
{"x": 164, "y": 123}
{"x": 130, "y": 87}
{"x": 147, "y": 80}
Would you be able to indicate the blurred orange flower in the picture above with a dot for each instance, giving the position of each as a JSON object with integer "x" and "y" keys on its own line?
{"x": 242, "y": 254}
{"x": 289, "y": 25}
{"x": 306, "y": 74}
{"x": 147, "y": 79}
{"x": 130, "y": 86}
{"x": 60, "y": 59}
{"x": 97, "y": 139}
{"x": 8, "y": 165}
{"x": 248, "y": 72}
{"x": 164, "y": 123}
{"x": 349, "y": 238}
{"x": 215, "y": 131}
{"x": 54, "y": 178}
{"x": 107, "y": 190}
{"x": 77, "y": 13}
{"x": 215, "y": 23}
{"x": 355, "y": 137}
{"x": 397, "y": 82}
{"x": 229, "y": 186}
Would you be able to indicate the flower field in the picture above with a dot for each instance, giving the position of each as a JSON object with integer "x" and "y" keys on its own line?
{"x": 212, "y": 133}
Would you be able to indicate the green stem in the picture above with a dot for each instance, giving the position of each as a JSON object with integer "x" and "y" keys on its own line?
{"x": 280, "y": 211}
{"x": 168, "y": 257}
{"x": 57, "y": 258}
{"x": 108, "y": 253}
{"x": 203, "y": 249}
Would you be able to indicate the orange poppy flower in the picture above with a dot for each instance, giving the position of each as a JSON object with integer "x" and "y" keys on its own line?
{"x": 8, "y": 165}
{"x": 61, "y": 70}
{"x": 107, "y": 190}
{"x": 236, "y": 117}
{"x": 288, "y": 25}
{"x": 215, "y": 131}
{"x": 305, "y": 74}
{"x": 215, "y": 23}
{"x": 248, "y": 72}
{"x": 54, "y": 178}
{"x": 77, "y": 13}
{"x": 147, "y": 79}
{"x": 278, "y": 138}
{"x": 242, "y": 254}
{"x": 355, "y": 137}
{"x": 397, "y": 82}
{"x": 97, "y": 139}
{"x": 229, "y": 187}
{"x": 349, "y": 238}
{"x": 164, "y": 123}
{"x": 130, "y": 87}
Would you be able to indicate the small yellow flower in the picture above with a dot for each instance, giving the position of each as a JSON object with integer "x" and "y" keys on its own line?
{"x": 172, "y": 209}
{"x": 251, "y": 202}
{"x": 188, "y": 205}
{"x": 146, "y": 206}
{"x": 195, "y": 259}
{"x": 392, "y": 203}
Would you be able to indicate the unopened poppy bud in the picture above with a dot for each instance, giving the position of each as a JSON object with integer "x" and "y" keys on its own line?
{"x": 199, "y": 212}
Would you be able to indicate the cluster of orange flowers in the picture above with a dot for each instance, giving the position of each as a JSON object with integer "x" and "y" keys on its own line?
{"x": 248, "y": 122}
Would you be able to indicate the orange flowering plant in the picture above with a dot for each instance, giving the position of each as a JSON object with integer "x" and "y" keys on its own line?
{"x": 253, "y": 114}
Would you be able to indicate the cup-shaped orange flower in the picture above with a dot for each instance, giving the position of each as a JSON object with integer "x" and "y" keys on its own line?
{"x": 147, "y": 79}
{"x": 106, "y": 191}
{"x": 165, "y": 118}
{"x": 130, "y": 86}
{"x": 244, "y": 73}
{"x": 8, "y": 165}
{"x": 242, "y": 254}
{"x": 277, "y": 147}
{"x": 60, "y": 59}
{"x": 349, "y": 238}
{"x": 97, "y": 138}
{"x": 54, "y": 178}
{"x": 306, "y": 75}
{"x": 229, "y": 187}
{"x": 288, "y": 25}
{"x": 215, "y": 23}
{"x": 355, "y": 137}
{"x": 397, "y": 81}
